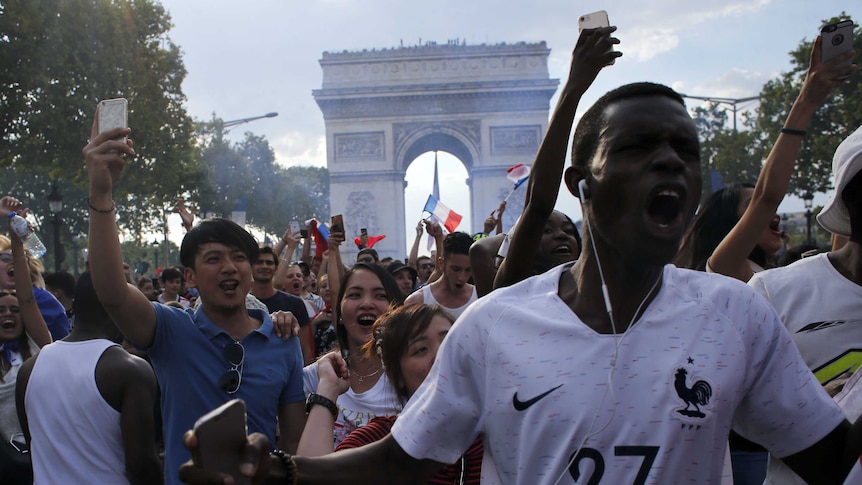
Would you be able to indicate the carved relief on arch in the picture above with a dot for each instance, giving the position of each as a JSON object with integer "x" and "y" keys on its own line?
{"x": 361, "y": 212}
{"x": 405, "y": 133}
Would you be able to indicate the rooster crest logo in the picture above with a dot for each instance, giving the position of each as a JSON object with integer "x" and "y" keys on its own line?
{"x": 694, "y": 397}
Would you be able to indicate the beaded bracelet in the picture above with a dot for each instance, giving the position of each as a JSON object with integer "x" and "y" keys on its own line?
{"x": 791, "y": 131}
{"x": 103, "y": 211}
{"x": 290, "y": 476}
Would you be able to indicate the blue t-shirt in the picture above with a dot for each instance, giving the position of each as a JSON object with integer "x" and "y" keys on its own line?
{"x": 187, "y": 358}
{"x": 53, "y": 313}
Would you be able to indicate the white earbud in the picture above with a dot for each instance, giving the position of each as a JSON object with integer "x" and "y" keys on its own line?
{"x": 582, "y": 188}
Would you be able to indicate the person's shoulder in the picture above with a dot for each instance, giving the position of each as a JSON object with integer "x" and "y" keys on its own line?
{"x": 792, "y": 273}
{"x": 417, "y": 297}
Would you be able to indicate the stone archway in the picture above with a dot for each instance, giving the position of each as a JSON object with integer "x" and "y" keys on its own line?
{"x": 486, "y": 104}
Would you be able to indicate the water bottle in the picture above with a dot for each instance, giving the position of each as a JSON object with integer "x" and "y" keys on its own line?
{"x": 31, "y": 241}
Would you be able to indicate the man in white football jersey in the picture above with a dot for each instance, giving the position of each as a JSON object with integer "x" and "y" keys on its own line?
{"x": 619, "y": 368}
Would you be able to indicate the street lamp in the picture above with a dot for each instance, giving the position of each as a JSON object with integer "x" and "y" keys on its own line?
{"x": 55, "y": 204}
{"x": 808, "y": 199}
{"x": 230, "y": 124}
{"x": 155, "y": 244}
{"x": 730, "y": 101}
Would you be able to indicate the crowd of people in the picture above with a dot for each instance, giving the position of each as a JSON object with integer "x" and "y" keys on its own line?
{"x": 663, "y": 344}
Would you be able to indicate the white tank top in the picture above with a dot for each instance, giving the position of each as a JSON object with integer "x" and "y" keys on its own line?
{"x": 62, "y": 390}
{"x": 428, "y": 299}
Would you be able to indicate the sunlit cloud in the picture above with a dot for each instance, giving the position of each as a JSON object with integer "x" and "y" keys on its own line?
{"x": 299, "y": 148}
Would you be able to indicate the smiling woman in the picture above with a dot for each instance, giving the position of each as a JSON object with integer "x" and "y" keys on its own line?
{"x": 366, "y": 292}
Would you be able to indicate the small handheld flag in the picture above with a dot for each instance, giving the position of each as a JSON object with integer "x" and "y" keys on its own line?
{"x": 450, "y": 218}
{"x": 518, "y": 174}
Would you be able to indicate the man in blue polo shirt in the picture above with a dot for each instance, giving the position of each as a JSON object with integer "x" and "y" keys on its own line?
{"x": 203, "y": 358}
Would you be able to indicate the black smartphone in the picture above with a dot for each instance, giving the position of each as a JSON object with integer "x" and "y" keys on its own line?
{"x": 303, "y": 233}
{"x": 364, "y": 231}
{"x": 221, "y": 435}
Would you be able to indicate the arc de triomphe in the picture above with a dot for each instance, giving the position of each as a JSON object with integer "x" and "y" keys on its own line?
{"x": 486, "y": 104}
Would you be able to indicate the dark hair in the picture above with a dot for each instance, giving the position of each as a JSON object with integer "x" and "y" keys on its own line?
{"x": 586, "y": 137}
{"x": 371, "y": 251}
{"x": 170, "y": 273}
{"x": 420, "y": 258}
{"x": 396, "y": 299}
{"x": 86, "y": 305}
{"x": 392, "y": 333}
{"x": 266, "y": 250}
{"x": 457, "y": 243}
{"x": 544, "y": 262}
{"x": 713, "y": 222}
{"x": 221, "y": 231}
{"x": 63, "y": 281}
{"x": 303, "y": 266}
{"x": 144, "y": 280}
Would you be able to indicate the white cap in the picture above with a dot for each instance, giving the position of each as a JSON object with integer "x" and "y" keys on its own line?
{"x": 846, "y": 163}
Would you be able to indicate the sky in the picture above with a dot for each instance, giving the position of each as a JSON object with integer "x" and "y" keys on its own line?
{"x": 250, "y": 58}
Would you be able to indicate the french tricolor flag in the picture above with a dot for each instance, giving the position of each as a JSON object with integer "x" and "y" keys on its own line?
{"x": 450, "y": 218}
{"x": 518, "y": 174}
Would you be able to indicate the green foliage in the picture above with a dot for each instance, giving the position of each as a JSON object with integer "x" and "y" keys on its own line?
{"x": 834, "y": 120}
{"x": 248, "y": 170}
{"x": 737, "y": 156}
{"x": 58, "y": 59}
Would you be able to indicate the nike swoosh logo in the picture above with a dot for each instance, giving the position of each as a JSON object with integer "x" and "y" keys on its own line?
{"x": 522, "y": 405}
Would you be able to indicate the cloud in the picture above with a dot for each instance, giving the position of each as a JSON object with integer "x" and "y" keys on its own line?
{"x": 298, "y": 148}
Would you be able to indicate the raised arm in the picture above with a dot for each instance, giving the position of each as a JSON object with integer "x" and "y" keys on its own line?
{"x": 34, "y": 324}
{"x": 435, "y": 231}
{"x": 288, "y": 240}
{"x": 414, "y": 250}
{"x": 317, "y": 436}
{"x": 106, "y": 156}
{"x": 591, "y": 54}
{"x": 730, "y": 258}
{"x": 334, "y": 267}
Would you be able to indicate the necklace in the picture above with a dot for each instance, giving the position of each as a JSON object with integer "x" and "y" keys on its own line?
{"x": 362, "y": 378}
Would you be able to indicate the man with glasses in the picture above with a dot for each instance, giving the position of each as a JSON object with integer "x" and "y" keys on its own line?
{"x": 367, "y": 256}
{"x": 220, "y": 351}
{"x": 424, "y": 268}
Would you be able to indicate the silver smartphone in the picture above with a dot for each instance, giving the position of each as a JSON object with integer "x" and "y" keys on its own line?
{"x": 113, "y": 113}
{"x": 593, "y": 20}
{"x": 837, "y": 39}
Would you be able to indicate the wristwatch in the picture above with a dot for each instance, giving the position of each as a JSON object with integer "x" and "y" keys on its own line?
{"x": 322, "y": 401}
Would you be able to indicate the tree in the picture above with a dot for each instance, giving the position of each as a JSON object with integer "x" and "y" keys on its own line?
{"x": 58, "y": 58}
{"x": 834, "y": 120}
{"x": 248, "y": 170}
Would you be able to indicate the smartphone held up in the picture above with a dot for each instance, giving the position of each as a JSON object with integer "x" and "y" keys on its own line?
{"x": 837, "y": 38}
{"x": 594, "y": 20}
{"x": 113, "y": 113}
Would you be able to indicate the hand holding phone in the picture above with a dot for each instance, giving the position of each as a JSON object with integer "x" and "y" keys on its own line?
{"x": 221, "y": 436}
{"x": 294, "y": 227}
{"x": 837, "y": 38}
{"x": 337, "y": 223}
{"x": 594, "y": 20}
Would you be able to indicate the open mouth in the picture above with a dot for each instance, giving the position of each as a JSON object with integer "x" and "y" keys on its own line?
{"x": 665, "y": 207}
{"x": 366, "y": 320}
{"x": 229, "y": 285}
{"x": 562, "y": 249}
{"x": 774, "y": 223}
{"x": 7, "y": 324}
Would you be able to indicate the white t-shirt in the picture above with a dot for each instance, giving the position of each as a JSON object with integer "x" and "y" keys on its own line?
{"x": 707, "y": 354}
{"x": 822, "y": 310}
{"x": 356, "y": 409}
